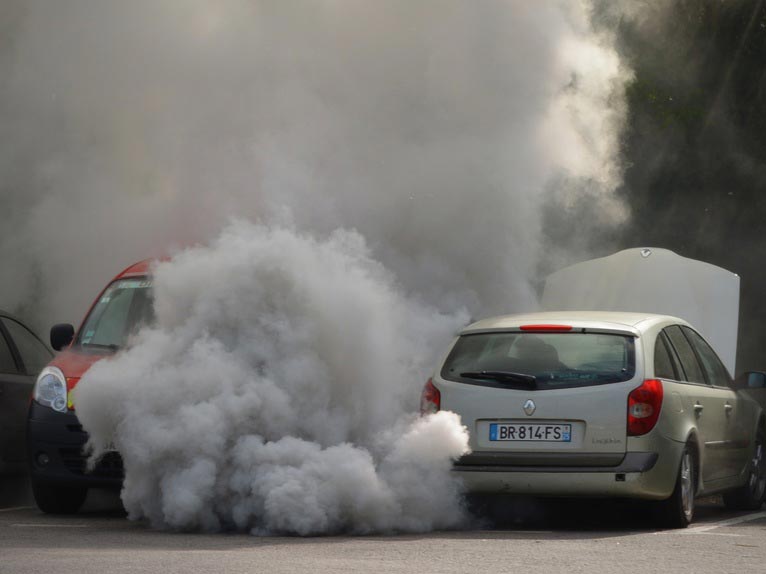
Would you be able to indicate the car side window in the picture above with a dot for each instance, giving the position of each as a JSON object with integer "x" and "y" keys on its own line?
{"x": 663, "y": 365}
{"x": 7, "y": 363}
{"x": 716, "y": 372}
{"x": 686, "y": 355}
{"x": 33, "y": 352}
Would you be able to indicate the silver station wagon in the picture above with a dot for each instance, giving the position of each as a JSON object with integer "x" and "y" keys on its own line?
{"x": 602, "y": 404}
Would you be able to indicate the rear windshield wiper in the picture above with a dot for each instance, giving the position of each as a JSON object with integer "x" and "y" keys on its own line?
{"x": 501, "y": 376}
{"x": 111, "y": 347}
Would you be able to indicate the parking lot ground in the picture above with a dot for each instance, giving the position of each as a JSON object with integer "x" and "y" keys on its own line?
{"x": 546, "y": 537}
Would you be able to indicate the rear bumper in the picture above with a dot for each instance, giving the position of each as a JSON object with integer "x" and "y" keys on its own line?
{"x": 644, "y": 475}
{"x": 60, "y": 437}
{"x": 492, "y": 462}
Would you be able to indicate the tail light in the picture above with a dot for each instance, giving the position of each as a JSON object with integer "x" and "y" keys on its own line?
{"x": 644, "y": 404}
{"x": 430, "y": 399}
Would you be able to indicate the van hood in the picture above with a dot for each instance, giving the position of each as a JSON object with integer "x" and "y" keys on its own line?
{"x": 75, "y": 361}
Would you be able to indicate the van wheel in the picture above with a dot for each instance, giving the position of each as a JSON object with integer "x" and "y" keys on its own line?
{"x": 678, "y": 510}
{"x": 750, "y": 495}
{"x": 58, "y": 499}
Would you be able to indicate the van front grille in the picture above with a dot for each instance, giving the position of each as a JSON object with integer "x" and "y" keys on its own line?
{"x": 109, "y": 466}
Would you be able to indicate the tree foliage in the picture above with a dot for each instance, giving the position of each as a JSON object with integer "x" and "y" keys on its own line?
{"x": 695, "y": 143}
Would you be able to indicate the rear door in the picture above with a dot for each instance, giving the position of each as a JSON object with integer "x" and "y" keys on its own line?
{"x": 738, "y": 419}
{"x": 706, "y": 402}
{"x": 572, "y": 414}
{"x": 13, "y": 402}
{"x": 29, "y": 356}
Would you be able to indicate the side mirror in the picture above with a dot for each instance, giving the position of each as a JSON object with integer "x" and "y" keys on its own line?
{"x": 751, "y": 380}
{"x": 61, "y": 335}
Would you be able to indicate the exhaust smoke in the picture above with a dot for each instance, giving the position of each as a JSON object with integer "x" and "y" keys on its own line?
{"x": 436, "y": 129}
{"x": 276, "y": 393}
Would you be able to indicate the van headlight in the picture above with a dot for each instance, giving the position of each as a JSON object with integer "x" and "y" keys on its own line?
{"x": 50, "y": 389}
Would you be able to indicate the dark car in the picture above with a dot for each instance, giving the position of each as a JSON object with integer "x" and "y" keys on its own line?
{"x": 55, "y": 438}
{"x": 753, "y": 384}
{"x": 22, "y": 357}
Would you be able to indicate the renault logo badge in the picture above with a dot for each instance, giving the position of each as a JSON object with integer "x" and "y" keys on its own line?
{"x": 529, "y": 407}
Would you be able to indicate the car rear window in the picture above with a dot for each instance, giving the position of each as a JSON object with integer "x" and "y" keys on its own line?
{"x": 555, "y": 360}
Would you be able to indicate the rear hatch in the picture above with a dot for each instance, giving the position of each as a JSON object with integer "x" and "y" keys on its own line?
{"x": 542, "y": 395}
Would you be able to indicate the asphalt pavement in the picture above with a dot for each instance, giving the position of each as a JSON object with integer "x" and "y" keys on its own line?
{"x": 525, "y": 536}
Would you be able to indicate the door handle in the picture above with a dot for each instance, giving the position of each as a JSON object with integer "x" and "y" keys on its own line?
{"x": 728, "y": 408}
{"x": 698, "y": 408}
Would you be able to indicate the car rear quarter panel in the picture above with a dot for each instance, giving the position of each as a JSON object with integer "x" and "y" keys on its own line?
{"x": 676, "y": 420}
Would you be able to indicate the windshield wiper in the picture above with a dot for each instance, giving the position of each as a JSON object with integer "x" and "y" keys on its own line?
{"x": 501, "y": 376}
{"x": 111, "y": 346}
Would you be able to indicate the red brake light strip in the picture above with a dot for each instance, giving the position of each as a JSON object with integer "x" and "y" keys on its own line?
{"x": 547, "y": 328}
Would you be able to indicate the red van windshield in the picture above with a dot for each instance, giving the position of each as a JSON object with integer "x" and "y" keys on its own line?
{"x": 124, "y": 307}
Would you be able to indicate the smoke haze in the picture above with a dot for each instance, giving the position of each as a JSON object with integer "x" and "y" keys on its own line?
{"x": 387, "y": 165}
{"x": 131, "y": 129}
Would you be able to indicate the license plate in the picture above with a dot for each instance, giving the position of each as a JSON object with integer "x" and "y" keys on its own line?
{"x": 531, "y": 432}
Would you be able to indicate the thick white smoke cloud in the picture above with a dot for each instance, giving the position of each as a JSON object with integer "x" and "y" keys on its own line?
{"x": 432, "y": 127}
{"x": 275, "y": 392}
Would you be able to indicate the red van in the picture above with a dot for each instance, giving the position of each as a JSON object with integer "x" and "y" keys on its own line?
{"x": 55, "y": 438}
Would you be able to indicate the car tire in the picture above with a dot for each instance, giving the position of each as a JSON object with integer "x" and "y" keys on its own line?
{"x": 750, "y": 495}
{"x": 678, "y": 510}
{"x": 58, "y": 499}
